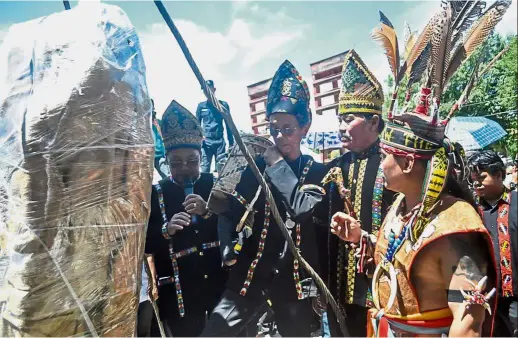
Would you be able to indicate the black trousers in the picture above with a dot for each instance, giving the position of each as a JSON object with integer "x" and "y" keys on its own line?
{"x": 208, "y": 151}
{"x": 234, "y": 312}
{"x": 506, "y": 317}
{"x": 356, "y": 321}
{"x": 144, "y": 318}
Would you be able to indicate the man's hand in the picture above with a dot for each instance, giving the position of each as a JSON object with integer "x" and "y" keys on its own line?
{"x": 272, "y": 156}
{"x": 346, "y": 228}
{"x": 177, "y": 222}
{"x": 195, "y": 205}
{"x": 152, "y": 291}
{"x": 465, "y": 262}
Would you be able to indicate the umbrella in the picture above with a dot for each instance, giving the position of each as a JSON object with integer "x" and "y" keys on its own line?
{"x": 322, "y": 140}
{"x": 474, "y": 132}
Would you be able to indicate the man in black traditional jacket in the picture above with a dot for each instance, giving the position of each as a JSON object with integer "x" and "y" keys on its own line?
{"x": 498, "y": 207}
{"x": 361, "y": 182}
{"x": 182, "y": 233}
{"x": 265, "y": 268}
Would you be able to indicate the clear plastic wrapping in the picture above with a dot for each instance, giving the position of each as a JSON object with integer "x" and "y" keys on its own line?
{"x": 76, "y": 164}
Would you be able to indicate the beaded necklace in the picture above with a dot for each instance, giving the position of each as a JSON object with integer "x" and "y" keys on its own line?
{"x": 395, "y": 243}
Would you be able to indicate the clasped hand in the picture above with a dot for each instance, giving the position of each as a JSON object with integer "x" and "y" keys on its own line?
{"x": 346, "y": 227}
{"x": 272, "y": 155}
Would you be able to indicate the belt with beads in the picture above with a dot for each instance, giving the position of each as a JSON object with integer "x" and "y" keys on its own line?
{"x": 188, "y": 251}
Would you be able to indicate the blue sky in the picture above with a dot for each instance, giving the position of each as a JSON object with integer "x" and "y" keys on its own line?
{"x": 237, "y": 43}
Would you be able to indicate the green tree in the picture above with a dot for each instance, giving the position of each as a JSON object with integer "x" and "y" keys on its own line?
{"x": 494, "y": 93}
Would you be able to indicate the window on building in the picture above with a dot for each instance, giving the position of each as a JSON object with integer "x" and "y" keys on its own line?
{"x": 327, "y": 100}
{"x": 261, "y": 118}
{"x": 262, "y": 129}
{"x": 325, "y": 87}
{"x": 259, "y": 106}
{"x": 330, "y": 112}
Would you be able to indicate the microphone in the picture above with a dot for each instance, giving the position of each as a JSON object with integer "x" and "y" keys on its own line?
{"x": 188, "y": 189}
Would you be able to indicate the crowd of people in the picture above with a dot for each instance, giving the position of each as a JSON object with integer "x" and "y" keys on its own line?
{"x": 358, "y": 218}
{"x": 410, "y": 236}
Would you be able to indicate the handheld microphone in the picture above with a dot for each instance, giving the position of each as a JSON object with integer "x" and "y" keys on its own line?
{"x": 188, "y": 189}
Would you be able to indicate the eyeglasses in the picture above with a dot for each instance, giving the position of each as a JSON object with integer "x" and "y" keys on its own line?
{"x": 192, "y": 163}
{"x": 285, "y": 131}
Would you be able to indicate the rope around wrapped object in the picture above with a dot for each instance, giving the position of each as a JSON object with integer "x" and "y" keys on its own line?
{"x": 274, "y": 211}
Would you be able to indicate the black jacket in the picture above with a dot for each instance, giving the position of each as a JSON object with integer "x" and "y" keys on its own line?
{"x": 201, "y": 277}
{"x": 490, "y": 221}
{"x": 362, "y": 197}
{"x": 274, "y": 271}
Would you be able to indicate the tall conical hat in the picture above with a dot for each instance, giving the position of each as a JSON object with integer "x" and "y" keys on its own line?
{"x": 360, "y": 90}
{"x": 180, "y": 129}
{"x": 289, "y": 94}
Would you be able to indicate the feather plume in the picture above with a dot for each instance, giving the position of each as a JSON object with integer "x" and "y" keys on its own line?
{"x": 440, "y": 40}
{"x": 419, "y": 66}
{"x": 407, "y": 32}
{"x": 410, "y": 44}
{"x": 410, "y": 39}
{"x": 386, "y": 36}
{"x": 477, "y": 35}
{"x": 462, "y": 21}
{"x": 420, "y": 44}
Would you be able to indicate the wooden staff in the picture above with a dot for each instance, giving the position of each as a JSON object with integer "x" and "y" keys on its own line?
{"x": 269, "y": 197}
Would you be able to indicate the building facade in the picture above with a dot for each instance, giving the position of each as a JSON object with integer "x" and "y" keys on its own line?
{"x": 257, "y": 95}
{"x": 327, "y": 74}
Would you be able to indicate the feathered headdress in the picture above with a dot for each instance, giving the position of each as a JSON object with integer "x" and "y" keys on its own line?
{"x": 448, "y": 39}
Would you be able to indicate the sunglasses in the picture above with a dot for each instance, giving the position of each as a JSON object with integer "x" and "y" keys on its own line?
{"x": 285, "y": 131}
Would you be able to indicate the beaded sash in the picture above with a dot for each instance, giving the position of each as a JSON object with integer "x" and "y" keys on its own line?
{"x": 262, "y": 240}
{"x": 504, "y": 243}
{"x": 175, "y": 255}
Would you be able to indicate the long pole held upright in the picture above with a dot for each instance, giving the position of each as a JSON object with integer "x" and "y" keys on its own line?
{"x": 269, "y": 197}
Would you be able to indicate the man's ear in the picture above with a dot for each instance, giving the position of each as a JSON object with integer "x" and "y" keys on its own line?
{"x": 499, "y": 175}
{"x": 305, "y": 129}
{"x": 408, "y": 164}
{"x": 374, "y": 122}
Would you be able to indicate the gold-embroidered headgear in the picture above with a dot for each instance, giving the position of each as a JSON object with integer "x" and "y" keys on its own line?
{"x": 360, "y": 91}
{"x": 289, "y": 93}
{"x": 180, "y": 129}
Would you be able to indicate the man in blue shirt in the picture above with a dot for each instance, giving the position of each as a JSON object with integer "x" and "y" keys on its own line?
{"x": 212, "y": 125}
